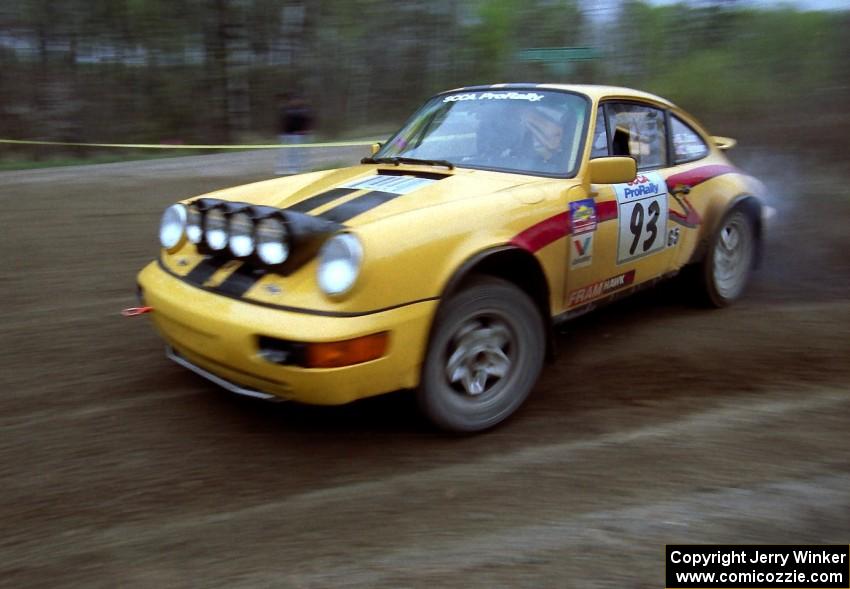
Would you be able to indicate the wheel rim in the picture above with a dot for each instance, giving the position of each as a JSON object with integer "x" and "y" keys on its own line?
{"x": 732, "y": 257}
{"x": 479, "y": 355}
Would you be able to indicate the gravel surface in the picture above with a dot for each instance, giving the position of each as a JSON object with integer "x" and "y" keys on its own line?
{"x": 660, "y": 422}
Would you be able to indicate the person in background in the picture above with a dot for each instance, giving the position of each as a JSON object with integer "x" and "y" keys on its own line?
{"x": 295, "y": 128}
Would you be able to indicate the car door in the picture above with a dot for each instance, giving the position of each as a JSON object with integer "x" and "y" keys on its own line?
{"x": 621, "y": 236}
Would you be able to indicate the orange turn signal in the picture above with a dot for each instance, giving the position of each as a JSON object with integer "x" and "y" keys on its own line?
{"x": 347, "y": 352}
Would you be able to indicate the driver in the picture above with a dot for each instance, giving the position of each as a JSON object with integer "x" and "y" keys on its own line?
{"x": 546, "y": 139}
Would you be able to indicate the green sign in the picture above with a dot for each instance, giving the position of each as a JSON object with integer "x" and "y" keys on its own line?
{"x": 558, "y": 54}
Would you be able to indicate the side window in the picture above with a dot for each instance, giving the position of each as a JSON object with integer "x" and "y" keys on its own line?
{"x": 687, "y": 144}
{"x": 639, "y": 131}
{"x": 600, "y": 136}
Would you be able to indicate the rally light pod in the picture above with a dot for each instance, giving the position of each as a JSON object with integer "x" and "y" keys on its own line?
{"x": 194, "y": 224}
{"x": 273, "y": 240}
{"x": 301, "y": 235}
{"x": 242, "y": 228}
{"x": 216, "y": 230}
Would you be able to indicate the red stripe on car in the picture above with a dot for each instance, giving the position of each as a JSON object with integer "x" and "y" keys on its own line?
{"x": 691, "y": 218}
{"x": 543, "y": 233}
{"x": 699, "y": 175}
{"x": 554, "y": 228}
{"x": 605, "y": 211}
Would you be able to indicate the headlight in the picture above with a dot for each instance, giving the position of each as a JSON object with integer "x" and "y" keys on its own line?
{"x": 339, "y": 264}
{"x": 272, "y": 241}
{"x": 194, "y": 230}
{"x": 216, "y": 229}
{"x": 241, "y": 235}
{"x": 172, "y": 225}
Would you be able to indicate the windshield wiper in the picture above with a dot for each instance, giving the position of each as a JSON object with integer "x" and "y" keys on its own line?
{"x": 407, "y": 160}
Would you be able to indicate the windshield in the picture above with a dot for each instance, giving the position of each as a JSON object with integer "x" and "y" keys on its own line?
{"x": 527, "y": 131}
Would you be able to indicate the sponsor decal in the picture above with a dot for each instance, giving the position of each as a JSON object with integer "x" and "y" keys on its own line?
{"x": 642, "y": 213}
{"x": 601, "y": 288}
{"x": 688, "y": 145}
{"x": 581, "y": 252}
{"x": 583, "y": 216}
{"x": 527, "y": 96}
{"x": 673, "y": 237}
{"x": 391, "y": 184}
{"x": 643, "y": 185}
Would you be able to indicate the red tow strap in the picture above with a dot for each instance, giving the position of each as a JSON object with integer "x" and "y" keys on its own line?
{"x": 136, "y": 311}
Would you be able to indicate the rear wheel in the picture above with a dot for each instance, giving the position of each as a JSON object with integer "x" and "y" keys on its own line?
{"x": 485, "y": 355}
{"x": 729, "y": 260}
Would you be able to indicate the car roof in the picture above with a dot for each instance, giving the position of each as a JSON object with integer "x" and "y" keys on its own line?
{"x": 594, "y": 91}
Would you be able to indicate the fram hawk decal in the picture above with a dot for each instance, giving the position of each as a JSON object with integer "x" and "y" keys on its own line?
{"x": 603, "y": 287}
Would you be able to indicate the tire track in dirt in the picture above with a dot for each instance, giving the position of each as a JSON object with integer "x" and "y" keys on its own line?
{"x": 468, "y": 539}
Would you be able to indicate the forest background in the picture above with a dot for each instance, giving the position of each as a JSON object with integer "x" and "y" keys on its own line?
{"x": 213, "y": 71}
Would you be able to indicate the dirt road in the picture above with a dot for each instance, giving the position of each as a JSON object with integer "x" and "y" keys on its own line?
{"x": 660, "y": 423}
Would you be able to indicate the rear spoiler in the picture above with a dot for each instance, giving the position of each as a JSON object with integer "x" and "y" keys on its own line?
{"x": 724, "y": 143}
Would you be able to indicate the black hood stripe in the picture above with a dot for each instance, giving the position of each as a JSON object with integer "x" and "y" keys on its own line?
{"x": 205, "y": 269}
{"x": 241, "y": 280}
{"x": 323, "y": 198}
{"x": 358, "y": 206}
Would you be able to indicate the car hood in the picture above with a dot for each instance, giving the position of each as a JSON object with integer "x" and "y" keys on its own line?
{"x": 362, "y": 194}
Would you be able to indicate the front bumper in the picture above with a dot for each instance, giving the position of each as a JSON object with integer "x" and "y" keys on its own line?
{"x": 217, "y": 337}
{"x": 225, "y": 384}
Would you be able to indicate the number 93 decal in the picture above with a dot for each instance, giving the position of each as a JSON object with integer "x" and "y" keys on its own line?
{"x": 642, "y": 214}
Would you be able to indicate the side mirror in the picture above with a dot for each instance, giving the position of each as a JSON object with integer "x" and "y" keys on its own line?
{"x": 376, "y": 147}
{"x": 612, "y": 170}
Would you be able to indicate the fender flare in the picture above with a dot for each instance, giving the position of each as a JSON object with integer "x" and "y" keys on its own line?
{"x": 753, "y": 206}
{"x": 537, "y": 287}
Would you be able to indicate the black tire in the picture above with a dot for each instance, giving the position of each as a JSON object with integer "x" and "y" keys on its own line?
{"x": 466, "y": 343}
{"x": 723, "y": 281}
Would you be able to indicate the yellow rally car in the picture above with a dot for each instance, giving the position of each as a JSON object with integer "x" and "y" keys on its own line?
{"x": 441, "y": 263}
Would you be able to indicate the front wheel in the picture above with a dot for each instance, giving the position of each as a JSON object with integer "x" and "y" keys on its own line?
{"x": 729, "y": 260}
{"x": 485, "y": 355}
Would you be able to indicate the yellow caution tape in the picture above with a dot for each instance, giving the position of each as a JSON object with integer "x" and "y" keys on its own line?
{"x": 167, "y": 146}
